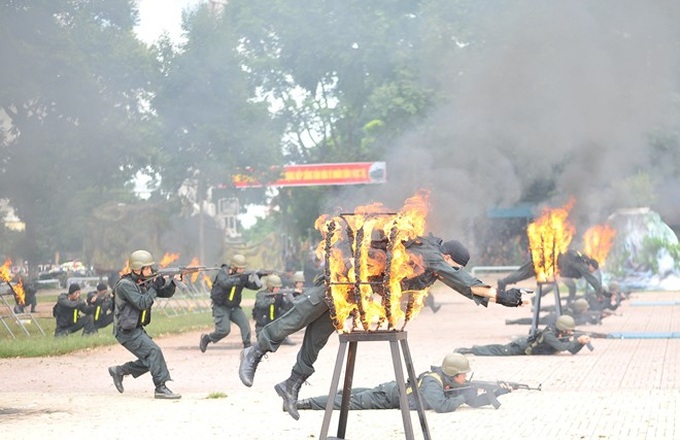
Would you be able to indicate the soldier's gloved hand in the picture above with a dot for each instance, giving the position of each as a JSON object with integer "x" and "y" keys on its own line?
{"x": 509, "y": 298}
{"x": 159, "y": 282}
{"x": 503, "y": 388}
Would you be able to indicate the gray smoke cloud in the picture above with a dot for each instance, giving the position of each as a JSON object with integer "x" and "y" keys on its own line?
{"x": 561, "y": 90}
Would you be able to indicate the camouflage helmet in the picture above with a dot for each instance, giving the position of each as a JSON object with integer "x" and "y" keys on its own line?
{"x": 298, "y": 277}
{"x": 139, "y": 259}
{"x": 455, "y": 363}
{"x": 581, "y": 305}
{"x": 273, "y": 280}
{"x": 238, "y": 261}
{"x": 565, "y": 322}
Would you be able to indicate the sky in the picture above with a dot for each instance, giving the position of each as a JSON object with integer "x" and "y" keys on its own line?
{"x": 158, "y": 16}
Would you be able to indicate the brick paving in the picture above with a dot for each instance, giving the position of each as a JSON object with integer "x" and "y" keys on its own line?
{"x": 624, "y": 389}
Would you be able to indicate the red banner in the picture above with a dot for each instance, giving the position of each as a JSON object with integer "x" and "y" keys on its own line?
{"x": 351, "y": 173}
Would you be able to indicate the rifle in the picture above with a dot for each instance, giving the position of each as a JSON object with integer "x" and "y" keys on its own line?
{"x": 260, "y": 273}
{"x": 181, "y": 271}
{"x": 490, "y": 387}
{"x": 282, "y": 293}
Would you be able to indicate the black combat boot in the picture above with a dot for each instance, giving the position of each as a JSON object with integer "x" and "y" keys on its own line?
{"x": 203, "y": 344}
{"x": 288, "y": 390}
{"x": 246, "y": 344}
{"x": 303, "y": 404}
{"x": 250, "y": 358}
{"x": 163, "y": 392}
{"x": 117, "y": 378}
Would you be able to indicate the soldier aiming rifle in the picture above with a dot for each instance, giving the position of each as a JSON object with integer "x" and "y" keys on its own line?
{"x": 442, "y": 389}
{"x": 226, "y": 295}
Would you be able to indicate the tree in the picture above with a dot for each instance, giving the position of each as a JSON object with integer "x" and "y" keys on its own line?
{"x": 213, "y": 125}
{"x": 73, "y": 87}
{"x": 342, "y": 78}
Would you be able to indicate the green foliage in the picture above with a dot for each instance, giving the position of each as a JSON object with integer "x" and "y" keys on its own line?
{"x": 72, "y": 83}
{"x": 210, "y": 126}
{"x": 217, "y": 395}
{"x": 649, "y": 255}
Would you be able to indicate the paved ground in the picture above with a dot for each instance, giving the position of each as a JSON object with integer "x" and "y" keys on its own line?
{"x": 624, "y": 389}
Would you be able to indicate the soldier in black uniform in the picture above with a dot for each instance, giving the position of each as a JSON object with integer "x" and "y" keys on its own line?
{"x": 443, "y": 389}
{"x": 31, "y": 300}
{"x": 134, "y": 295}
{"x": 102, "y": 302}
{"x": 555, "y": 338}
{"x": 67, "y": 311}
{"x": 270, "y": 303}
{"x": 571, "y": 264}
{"x": 226, "y": 301}
{"x": 443, "y": 261}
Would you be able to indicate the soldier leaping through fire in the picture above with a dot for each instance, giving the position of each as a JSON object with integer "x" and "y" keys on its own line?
{"x": 442, "y": 261}
{"x": 572, "y": 265}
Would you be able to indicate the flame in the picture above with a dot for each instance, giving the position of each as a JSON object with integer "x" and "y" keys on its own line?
{"x": 356, "y": 265}
{"x": 194, "y": 262}
{"x": 598, "y": 241}
{"x": 207, "y": 281}
{"x": 549, "y": 236}
{"x": 6, "y": 276}
{"x": 167, "y": 259}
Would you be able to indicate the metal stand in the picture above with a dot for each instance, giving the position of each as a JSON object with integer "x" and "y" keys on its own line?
{"x": 537, "y": 304}
{"x": 17, "y": 317}
{"x": 353, "y": 339}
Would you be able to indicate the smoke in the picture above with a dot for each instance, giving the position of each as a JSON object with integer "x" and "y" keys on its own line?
{"x": 552, "y": 90}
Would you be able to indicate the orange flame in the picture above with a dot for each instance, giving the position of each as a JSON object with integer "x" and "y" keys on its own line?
{"x": 357, "y": 266}
{"x": 167, "y": 259}
{"x": 549, "y": 236}
{"x": 6, "y": 276}
{"x": 598, "y": 241}
{"x": 194, "y": 262}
